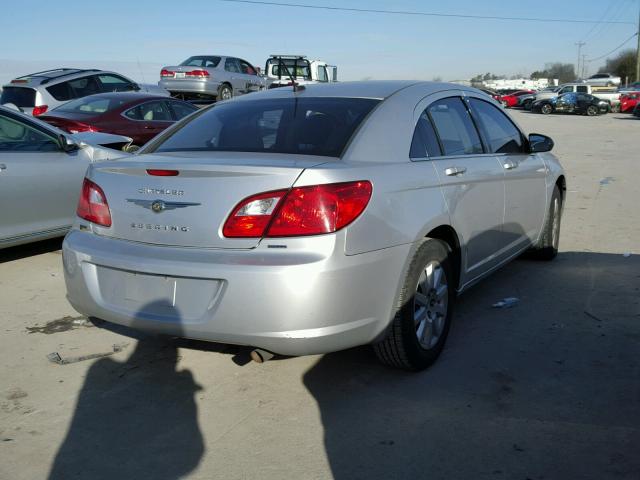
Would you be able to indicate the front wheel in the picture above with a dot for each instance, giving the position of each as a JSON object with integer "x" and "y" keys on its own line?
{"x": 421, "y": 323}
{"x": 546, "y": 109}
{"x": 592, "y": 110}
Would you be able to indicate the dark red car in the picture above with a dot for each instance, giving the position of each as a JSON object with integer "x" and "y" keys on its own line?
{"x": 628, "y": 101}
{"x": 140, "y": 116}
{"x": 511, "y": 100}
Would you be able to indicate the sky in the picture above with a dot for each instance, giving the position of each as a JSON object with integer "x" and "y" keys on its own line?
{"x": 136, "y": 38}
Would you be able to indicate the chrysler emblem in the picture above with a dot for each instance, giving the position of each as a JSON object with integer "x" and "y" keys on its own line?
{"x": 158, "y": 206}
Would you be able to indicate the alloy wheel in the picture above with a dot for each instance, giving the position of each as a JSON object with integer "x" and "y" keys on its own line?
{"x": 430, "y": 305}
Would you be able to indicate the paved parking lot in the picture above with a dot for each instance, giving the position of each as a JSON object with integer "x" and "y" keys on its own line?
{"x": 549, "y": 389}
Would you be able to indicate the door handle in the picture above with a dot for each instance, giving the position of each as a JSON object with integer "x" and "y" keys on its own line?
{"x": 2, "y": 167}
{"x": 454, "y": 171}
{"x": 510, "y": 165}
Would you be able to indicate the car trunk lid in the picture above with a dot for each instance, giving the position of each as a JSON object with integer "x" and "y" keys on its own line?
{"x": 189, "y": 209}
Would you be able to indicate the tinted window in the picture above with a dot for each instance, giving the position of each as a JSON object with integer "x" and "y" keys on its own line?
{"x": 322, "y": 74}
{"x": 458, "y": 135}
{"x": 298, "y": 68}
{"x": 425, "y": 142}
{"x": 232, "y": 65}
{"x": 150, "y": 112}
{"x": 113, "y": 83}
{"x": 17, "y": 136}
{"x": 565, "y": 90}
{"x": 181, "y": 109}
{"x": 82, "y": 87}
{"x": 582, "y": 88}
{"x": 201, "y": 61}
{"x": 21, "y": 97}
{"x": 307, "y": 126}
{"x": 501, "y": 134}
{"x": 61, "y": 92}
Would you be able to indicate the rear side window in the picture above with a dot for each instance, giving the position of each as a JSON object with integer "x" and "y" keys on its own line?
{"x": 501, "y": 134}
{"x": 247, "y": 69}
{"x": 425, "y": 142}
{"x": 457, "y": 134}
{"x": 304, "y": 126}
{"x": 232, "y": 65}
{"x": 96, "y": 104}
{"x": 61, "y": 92}
{"x": 21, "y": 97}
{"x": 150, "y": 112}
{"x": 201, "y": 61}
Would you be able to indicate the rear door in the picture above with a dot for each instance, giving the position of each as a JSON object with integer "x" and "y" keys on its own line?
{"x": 236, "y": 78}
{"x": 146, "y": 121}
{"x": 250, "y": 74}
{"x": 39, "y": 183}
{"x": 525, "y": 175}
{"x": 472, "y": 183}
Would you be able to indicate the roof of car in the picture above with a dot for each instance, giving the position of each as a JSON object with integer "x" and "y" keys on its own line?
{"x": 50, "y": 76}
{"x": 379, "y": 89}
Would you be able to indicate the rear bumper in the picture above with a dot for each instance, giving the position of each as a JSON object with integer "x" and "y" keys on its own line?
{"x": 209, "y": 87}
{"x": 294, "y": 301}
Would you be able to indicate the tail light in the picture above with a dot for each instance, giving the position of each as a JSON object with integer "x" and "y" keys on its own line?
{"x": 301, "y": 211}
{"x": 197, "y": 73}
{"x": 166, "y": 73}
{"x": 39, "y": 110}
{"x": 162, "y": 173}
{"x": 93, "y": 205}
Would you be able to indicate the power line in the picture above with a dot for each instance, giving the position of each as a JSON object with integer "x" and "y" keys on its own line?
{"x": 422, "y": 14}
{"x": 604, "y": 15}
{"x": 615, "y": 49}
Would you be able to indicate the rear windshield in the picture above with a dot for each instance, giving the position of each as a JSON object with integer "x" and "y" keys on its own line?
{"x": 201, "y": 61}
{"x": 286, "y": 67}
{"x": 305, "y": 126}
{"x": 95, "y": 105}
{"x": 19, "y": 96}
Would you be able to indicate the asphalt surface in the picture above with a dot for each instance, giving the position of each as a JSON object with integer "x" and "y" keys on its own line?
{"x": 548, "y": 389}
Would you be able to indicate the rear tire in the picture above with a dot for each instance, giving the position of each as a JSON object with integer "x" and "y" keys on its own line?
{"x": 422, "y": 320}
{"x": 546, "y": 109}
{"x": 547, "y": 247}
{"x": 592, "y": 111}
{"x": 224, "y": 92}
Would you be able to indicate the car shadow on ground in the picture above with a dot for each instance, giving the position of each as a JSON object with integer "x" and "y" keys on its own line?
{"x": 134, "y": 419}
{"x": 547, "y": 389}
{"x": 30, "y": 249}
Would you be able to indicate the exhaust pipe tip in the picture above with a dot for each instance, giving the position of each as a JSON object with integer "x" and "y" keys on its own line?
{"x": 260, "y": 356}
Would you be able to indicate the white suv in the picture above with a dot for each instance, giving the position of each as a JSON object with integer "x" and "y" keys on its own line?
{"x": 39, "y": 92}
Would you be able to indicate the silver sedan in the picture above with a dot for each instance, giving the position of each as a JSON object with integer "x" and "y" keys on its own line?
{"x": 313, "y": 221}
{"x": 211, "y": 77}
{"x": 41, "y": 172}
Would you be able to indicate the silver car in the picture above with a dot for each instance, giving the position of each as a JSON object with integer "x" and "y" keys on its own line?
{"x": 211, "y": 77}
{"x": 313, "y": 221}
{"x": 41, "y": 92}
{"x": 41, "y": 172}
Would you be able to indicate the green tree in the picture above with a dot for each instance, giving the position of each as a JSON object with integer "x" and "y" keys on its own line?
{"x": 623, "y": 65}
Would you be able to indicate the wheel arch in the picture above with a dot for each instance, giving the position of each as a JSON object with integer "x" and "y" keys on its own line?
{"x": 561, "y": 183}
{"x": 448, "y": 235}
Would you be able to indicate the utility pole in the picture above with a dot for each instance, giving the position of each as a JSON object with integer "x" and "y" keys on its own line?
{"x": 580, "y": 45}
{"x": 638, "y": 50}
{"x": 584, "y": 63}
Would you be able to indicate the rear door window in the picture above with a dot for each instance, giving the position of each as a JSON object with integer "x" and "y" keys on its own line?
{"x": 115, "y": 83}
{"x": 246, "y": 68}
{"x": 61, "y": 91}
{"x": 181, "y": 110}
{"x": 499, "y": 132}
{"x": 455, "y": 129}
{"x": 19, "y": 96}
{"x": 232, "y": 65}
{"x": 156, "y": 111}
{"x": 84, "y": 86}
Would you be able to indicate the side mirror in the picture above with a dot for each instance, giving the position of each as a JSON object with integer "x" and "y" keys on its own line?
{"x": 67, "y": 144}
{"x": 540, "y": 143}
